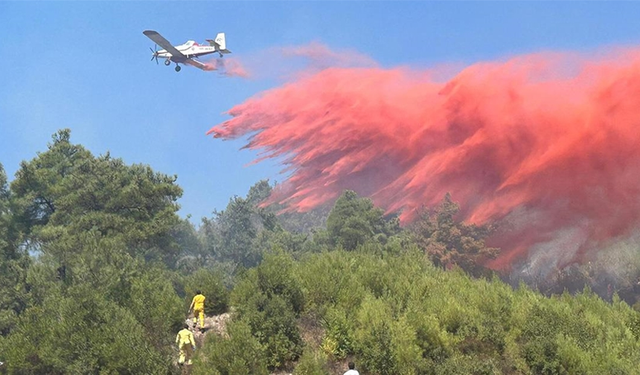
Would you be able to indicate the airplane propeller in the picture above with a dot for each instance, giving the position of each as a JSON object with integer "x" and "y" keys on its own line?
{"x": 155, "y": 54}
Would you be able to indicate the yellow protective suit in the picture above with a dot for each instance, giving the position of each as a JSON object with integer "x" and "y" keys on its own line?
{"x": 186, "y": 344}
{"x": 198, "y": 309}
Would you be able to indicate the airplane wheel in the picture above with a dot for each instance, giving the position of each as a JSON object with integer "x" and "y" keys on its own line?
{"x": 178, "y": 68}
{"x": 167, "y": 62}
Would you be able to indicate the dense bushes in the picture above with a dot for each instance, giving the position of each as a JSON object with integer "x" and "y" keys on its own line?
{"x": 397, "y": 314}
{"x": 210, "y": 283}
{"x": 414, "y": 318}
{"x": 79, "y": 332}
{"x": 312, "y": 362}
{"x": 239, "y": 353}
{"x": 270, "y": 300}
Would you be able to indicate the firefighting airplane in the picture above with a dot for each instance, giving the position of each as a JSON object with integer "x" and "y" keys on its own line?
{"x": 187, "y": 52}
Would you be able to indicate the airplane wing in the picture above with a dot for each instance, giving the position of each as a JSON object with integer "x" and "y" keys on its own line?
{"x": 198, "y": 64}
{"x": 176, "y": 55}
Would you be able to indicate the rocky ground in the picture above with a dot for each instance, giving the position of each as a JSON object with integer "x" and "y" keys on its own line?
{"x": 212, "y": 324}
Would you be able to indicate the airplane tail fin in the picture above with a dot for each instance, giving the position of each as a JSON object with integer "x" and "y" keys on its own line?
{"x": 220, "y": 43}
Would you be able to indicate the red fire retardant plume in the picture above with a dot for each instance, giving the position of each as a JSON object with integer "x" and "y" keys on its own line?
{"x": 546, "y": 144}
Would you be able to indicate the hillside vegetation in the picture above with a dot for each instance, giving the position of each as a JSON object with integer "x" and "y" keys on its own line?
{"x": 97, "y": 271}
{"x": 395, "y": 313}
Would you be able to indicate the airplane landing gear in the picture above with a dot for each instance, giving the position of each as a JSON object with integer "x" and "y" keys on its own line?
{"x": 178, "y": 68}
{"x": 167, "y": 62}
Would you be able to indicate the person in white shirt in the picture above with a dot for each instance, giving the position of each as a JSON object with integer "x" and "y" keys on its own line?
{"x": 352, "y": 369}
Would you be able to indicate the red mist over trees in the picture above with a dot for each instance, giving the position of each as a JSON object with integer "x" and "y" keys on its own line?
{"x": 547, "y": 145}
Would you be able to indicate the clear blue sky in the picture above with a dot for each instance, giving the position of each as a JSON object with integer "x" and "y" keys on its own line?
{"x": 86, "y": 66}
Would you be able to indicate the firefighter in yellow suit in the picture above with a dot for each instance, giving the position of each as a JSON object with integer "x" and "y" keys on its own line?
{"x": 197, "y": 304}
{"x": 186, "y": 344}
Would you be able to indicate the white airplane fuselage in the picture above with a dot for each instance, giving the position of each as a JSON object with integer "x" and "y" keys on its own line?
{"x": 190, "y": 49}
{"x": 188, "y": 52}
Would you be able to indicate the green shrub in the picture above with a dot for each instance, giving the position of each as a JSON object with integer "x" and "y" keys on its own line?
{"x": 211, "y": 284}
{"x": 81, "y": 333}
{"x": 240, "y": 353}
{"x": 375, "y": 338}
{"x": 156, "y": 306}
{"x": 468, "y": 365}
{"x": 312, "y": 363}
{"x": 269, "y": 300}
{"x": 278, "y": 332}
{"x": 338, "y": 339}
